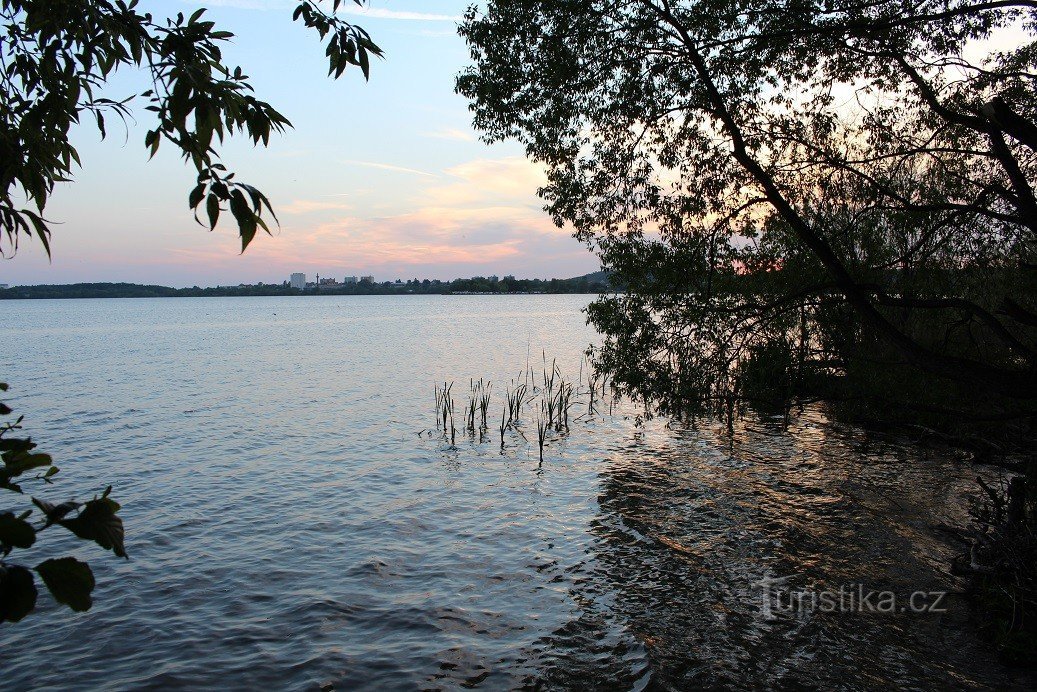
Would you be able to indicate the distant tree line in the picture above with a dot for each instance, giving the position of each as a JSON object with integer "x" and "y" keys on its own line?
{"x": 591, "y": 283}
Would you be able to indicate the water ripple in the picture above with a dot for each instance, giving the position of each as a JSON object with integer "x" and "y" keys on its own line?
{"x": 290, "y": 528}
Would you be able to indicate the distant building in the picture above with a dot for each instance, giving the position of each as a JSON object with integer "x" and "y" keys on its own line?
{"x": 3, "y": 286}
{"x": 298, "y": 280}
{"x": 509, "y": 277}
{"x": 329, "y": 282}
{"x": 367, "y": 279}
{"x": 493, "y": 278}
{"x": 349, "y": 280}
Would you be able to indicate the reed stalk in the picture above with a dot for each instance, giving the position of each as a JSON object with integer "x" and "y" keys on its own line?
{"x": 542, "y": 427}
{"x": 503, "y": 425}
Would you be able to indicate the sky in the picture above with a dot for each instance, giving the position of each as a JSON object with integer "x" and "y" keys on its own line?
{"x": 385, "y": 177}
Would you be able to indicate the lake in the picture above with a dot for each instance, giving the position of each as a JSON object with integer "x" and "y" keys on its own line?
{"x": 296, "y": 519}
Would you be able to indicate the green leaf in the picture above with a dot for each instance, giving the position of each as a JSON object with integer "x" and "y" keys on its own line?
{"x": 18, "y": 461}
{"x": 69, "y": 581}
{"x": 16, "y": 443}
{"x": 17, "y": 593}
{"x": 245, "y": 217}
{"x": 195, "y": 198}
{"x": 247, "y": 229}
{"x": 55, "y": 513}
{"x": 365, "y": 63}
{"x": 212, "y": 208}
{"x": 98, "y": 522}
{"x": 16, "y": 532}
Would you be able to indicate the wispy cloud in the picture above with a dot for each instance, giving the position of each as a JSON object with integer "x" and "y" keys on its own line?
{"x": 434, "y": 33}
{"x": 380, "y": 13}
{"x": 481, "y": 182}
{"x": 389, "y": 167}
{"x": 246, "y": 4}
{"x": 306, "y": 206}
{"x": 367, "y": 12}
{"x": 452, "y": 133}
{"x": 479, "y": 216}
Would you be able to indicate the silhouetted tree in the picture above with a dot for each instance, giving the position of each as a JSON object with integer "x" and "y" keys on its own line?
{"x": 833, "y": 184}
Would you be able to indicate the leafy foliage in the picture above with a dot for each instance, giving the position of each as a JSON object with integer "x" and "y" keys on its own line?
{"x": 56, "y": 57}
{"x": 69, "y": 581}
{"x": 830, "y": 181}
{"x": 801, "y": 198}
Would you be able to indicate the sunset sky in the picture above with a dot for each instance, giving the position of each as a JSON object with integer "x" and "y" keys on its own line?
{"x": 385, "y": 178}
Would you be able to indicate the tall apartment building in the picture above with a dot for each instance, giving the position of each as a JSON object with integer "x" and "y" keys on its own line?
{"x": 298, "y": 280}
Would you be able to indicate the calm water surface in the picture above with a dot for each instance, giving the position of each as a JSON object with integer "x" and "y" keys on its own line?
{"x": 292, "y": 523}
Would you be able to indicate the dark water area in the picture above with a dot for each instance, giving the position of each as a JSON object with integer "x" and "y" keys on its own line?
{"x": 293, "y": 522}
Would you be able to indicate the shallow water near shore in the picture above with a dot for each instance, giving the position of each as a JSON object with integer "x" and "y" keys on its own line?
{"x": 295, "y": 519}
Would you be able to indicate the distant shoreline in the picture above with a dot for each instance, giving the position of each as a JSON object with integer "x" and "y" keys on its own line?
{"x": 590, "y": 284}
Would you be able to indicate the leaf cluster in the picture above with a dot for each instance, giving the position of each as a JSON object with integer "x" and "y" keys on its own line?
{"x": 57, "y": 57}
{"x": 70, "y": 581}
